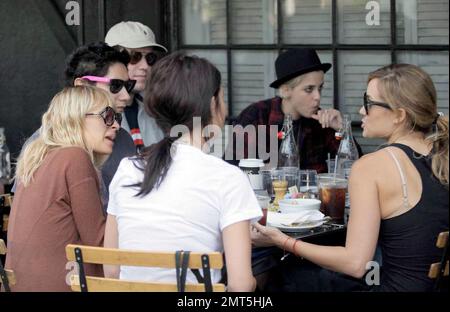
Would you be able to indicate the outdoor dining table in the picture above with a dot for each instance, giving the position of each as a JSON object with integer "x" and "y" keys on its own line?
{"x": 332, "y": 233}
{"x": 270, "y": 259}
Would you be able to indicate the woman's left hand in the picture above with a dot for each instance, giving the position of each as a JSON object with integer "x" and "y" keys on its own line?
{"x": 329, "y": 118}
{"x": 264, "y": 236}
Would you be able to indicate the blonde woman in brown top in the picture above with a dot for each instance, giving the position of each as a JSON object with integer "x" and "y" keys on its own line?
{"x": 57, "y": 201}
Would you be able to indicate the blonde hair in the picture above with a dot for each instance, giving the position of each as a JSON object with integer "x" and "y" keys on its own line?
{"x": 291, "y": 84}
{"x": 62, "y": 126}
{"x": 411, "y": 88}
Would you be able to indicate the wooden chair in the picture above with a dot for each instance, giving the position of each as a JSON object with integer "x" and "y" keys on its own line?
{"x": 5, "y": 208}
{"x": 440, "y": 269}
{"x": 7, "y": 277}
{"x": 179, "y": 260}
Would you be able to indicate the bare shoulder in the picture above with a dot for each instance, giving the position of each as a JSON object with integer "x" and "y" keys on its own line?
{"x": 370, "y": 165}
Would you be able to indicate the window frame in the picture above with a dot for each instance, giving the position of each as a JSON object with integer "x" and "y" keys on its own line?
{"x": 176, "y": 29}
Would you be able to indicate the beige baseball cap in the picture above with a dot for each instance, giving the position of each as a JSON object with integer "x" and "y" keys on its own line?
{"x": 132, "y": 35}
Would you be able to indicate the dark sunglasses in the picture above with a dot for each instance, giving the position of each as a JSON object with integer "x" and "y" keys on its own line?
{"x": 136, "y": 57}
{"x": 368, "y": 104}
{"x": 109, "y": 116}
{"x": 115, "y": 85}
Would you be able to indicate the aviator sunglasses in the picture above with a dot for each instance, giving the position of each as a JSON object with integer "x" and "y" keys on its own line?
{"x": 136, "y": 57}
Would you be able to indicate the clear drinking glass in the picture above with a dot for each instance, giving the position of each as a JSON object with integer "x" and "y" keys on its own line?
{"x": 277, "y": 174}
{"x": 266, "y": 176}
{"x": 278, "y": 178}
{"x": 307, "y": 184}
{"x": 290, "y": 175}
{"x": 330, "y": 165}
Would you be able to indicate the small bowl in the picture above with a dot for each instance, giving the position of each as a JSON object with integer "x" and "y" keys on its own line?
{"x": 298, "y": 204}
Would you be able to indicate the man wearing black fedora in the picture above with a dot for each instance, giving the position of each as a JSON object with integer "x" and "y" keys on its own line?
{"x": 300, "y": 79}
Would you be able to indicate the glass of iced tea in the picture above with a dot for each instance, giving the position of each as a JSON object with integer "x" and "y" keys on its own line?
{"x": 332, "y": 191}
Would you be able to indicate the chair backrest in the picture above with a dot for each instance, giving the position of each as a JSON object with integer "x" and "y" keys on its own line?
{"x": 7, "y": 277}
{"x": 5, "y": 207}
{"x": 6, "y": 200}
{"x": 98, "y": 255}
{"x": 440, "y": 269}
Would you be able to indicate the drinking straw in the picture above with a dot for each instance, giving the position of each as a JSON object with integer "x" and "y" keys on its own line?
{"x": 329, "y": 160}
{"x": 335, "y": 167}
{"x": 308, "y": 191}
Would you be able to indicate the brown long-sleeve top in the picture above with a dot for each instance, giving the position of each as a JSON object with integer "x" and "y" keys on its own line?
{"x": 61, "y": 206}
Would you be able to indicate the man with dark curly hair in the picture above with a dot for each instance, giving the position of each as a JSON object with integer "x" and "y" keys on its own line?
{"x": 100, "y": 65}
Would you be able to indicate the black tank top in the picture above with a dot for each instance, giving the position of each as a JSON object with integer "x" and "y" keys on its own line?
{"x": 408, "y": 241}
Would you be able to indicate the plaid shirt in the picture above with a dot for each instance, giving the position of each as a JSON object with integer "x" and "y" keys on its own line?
{"x": 314, "y": 143}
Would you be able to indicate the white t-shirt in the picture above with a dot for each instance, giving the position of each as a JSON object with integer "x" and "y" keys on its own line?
{"x": 200, "y": 196}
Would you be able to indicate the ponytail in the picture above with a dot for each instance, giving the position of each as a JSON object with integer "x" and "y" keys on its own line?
{"x": 155, "y": 160}
{"x": 178, "y": 89}
{"x": 439, "y": 160}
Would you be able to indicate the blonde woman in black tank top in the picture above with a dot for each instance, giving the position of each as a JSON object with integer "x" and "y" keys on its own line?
{"x": 398, "y": 194}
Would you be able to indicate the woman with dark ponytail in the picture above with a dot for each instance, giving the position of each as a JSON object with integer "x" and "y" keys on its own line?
{"x": 174, "y": 196}
{"x": 398, "y": 194}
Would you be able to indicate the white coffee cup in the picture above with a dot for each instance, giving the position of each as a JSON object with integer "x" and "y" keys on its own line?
{"x": 251, "y": 167}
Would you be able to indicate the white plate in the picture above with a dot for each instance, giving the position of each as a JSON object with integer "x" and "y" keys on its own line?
{"x": 296, "y": 228}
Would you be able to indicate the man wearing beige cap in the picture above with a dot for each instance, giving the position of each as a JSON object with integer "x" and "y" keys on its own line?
{"x": 139, "y": 41}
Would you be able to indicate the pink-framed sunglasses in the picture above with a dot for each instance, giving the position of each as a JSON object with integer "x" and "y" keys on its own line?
{"x": 115, "y": 85}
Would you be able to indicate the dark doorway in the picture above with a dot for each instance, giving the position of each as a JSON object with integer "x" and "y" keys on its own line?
{"x": 35, "y": 41}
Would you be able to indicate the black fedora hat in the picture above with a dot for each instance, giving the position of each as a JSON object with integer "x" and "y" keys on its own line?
{"x": 296, "y": 62}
